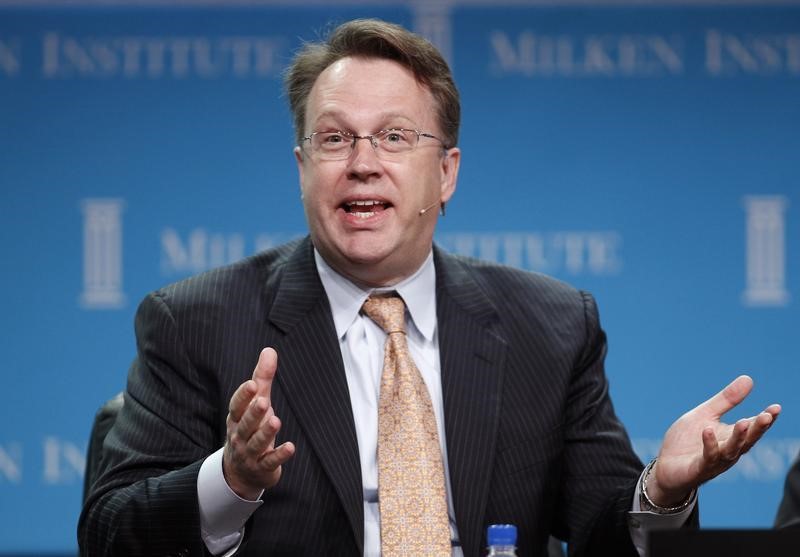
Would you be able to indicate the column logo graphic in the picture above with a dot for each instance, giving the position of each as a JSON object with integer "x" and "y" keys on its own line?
{"x": 766, "y": 251}
{"x": 102, "y": 254}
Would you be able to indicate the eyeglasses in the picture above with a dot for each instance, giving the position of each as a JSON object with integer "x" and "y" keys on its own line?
{"x": 391, "y": 144}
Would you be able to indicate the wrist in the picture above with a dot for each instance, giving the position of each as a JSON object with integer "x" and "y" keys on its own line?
{"x": 244, "y": 492}
{"x": 241, "y": 489}
{"x": 653, "y": 498}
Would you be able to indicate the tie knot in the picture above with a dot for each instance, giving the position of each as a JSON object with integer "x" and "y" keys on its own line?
{"x": 388, "y": 311}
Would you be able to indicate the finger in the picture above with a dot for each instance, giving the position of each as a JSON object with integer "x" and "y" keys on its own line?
{"x": 710, "y": 446}
{"x": 241, "y": 400}
{"x": 278, "y": 456}
{"x": 251, "y": 419}
{"x": 264, "y": 372}
{"x": 730, "y": 396}
{"x": 263, "y": 438}
{"x": 760, "y": 425}
{"x": 733, "y": 447}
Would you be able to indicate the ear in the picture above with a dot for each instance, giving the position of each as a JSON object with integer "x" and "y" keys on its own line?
{"x": 449, "y": 168}
{"x": 298, "y": 157}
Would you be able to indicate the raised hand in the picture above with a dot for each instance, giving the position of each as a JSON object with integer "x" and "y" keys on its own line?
{"x": 251, "y": 463}
{"x": 699, "y": 446}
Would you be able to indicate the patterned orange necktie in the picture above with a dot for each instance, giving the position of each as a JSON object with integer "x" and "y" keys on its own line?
{"x": 411, "y": 485}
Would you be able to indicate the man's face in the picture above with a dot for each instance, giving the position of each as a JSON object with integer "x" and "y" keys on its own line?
{"x": 380, "y": 243}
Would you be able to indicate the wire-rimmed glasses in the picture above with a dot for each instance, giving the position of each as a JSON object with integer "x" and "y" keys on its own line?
{"x": 389, "y": 144}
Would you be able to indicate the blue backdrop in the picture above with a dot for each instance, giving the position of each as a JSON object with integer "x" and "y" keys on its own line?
{"x": 648, "y": 153}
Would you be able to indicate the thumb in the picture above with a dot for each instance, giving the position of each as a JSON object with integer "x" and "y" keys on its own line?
{"x": 730, "y": 396}
{"x": 265, "y": 369}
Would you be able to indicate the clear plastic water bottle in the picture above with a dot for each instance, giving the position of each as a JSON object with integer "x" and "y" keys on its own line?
{"x": 502, "y": 540}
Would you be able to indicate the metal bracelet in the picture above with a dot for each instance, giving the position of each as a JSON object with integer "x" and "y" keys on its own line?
{"x": 650, "y": 506}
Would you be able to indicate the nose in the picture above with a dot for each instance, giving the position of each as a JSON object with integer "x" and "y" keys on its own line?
{"x": 363, "y": 161}
{"x": 371, "y": 138}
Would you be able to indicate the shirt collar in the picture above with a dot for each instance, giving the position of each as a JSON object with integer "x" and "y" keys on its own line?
{"x": 346, "y": 298}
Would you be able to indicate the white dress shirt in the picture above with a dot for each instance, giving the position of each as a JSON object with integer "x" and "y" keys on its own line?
{"x": 223, "y": 513}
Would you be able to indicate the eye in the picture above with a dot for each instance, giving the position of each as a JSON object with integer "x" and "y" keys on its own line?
{"x": 331, "y": 137}
{"x": 331, "y": 141}
{"x": 396, "y": 136}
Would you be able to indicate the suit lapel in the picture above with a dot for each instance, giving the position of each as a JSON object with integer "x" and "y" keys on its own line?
{"x": 311, "y": 374}
{"x": 472, "y": 355}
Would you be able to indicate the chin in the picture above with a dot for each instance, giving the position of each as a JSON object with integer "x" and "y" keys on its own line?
{"x": 368, "y": 263}
{"x": 365, "y": 248}
{"x": 365, "y": 258}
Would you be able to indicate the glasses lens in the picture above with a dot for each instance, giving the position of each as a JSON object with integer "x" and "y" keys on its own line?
{"x": 397, "y": 140}
{"x": 331, "y": 145}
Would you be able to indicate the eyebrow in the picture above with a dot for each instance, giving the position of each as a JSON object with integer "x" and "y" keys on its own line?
{"x": 385, "y": 117}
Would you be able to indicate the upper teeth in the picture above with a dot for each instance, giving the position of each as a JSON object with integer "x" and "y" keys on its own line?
{"x": 364, "y": 202}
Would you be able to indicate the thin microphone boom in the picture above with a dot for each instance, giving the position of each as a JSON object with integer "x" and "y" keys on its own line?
{"x": 428, "y": 208}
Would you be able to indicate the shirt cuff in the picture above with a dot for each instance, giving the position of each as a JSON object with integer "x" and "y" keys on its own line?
{"x": 223, "y": 513}
{"x": 641, "y": 522}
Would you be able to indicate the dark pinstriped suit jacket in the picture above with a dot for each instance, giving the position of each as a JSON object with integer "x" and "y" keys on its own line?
{"x": 532, "y": 437}
{"x": 789, "y": 509}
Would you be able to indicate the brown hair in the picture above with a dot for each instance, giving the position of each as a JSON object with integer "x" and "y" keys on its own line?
{"x": 373, "y": 38}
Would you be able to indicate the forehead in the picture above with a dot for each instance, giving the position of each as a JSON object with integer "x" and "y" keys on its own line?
{"x": 369, "y": 92}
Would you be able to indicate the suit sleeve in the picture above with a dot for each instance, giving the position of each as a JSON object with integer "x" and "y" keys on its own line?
{"x": 145, "y": 499}
{"x": 789, "y": 510}
{"x": 600, "y": 467}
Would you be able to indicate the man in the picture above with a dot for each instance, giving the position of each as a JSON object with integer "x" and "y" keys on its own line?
{"x": 513, "y": 396}
{"x": 789, "y": 510}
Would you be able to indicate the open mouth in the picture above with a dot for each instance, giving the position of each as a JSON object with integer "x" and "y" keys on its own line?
{"x": 365, "y": 208}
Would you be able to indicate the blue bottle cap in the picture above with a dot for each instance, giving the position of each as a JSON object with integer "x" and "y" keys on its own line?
{"x": 502, "y": 534}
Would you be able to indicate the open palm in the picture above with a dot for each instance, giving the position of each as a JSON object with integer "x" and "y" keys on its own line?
{"x": 699, "y": 446}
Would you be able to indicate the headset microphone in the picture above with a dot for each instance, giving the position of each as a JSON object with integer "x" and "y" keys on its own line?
{"x": 428, "y": 208}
